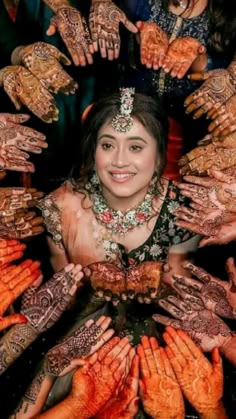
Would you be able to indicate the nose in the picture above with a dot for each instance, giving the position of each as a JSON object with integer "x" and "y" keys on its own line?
{"x": 120, "y": 157}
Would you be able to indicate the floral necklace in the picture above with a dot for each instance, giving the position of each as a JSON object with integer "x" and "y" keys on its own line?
{"x": 116, "y": 221}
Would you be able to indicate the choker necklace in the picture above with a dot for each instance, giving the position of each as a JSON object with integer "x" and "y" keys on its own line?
{"x": 116, "y": 221}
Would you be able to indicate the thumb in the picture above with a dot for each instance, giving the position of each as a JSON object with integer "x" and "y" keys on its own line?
{"x": 202, "y": 49}
{"x": 231, "y": 270}
{"x": 218, "y": 175}
{"x": 129, "y": 25}
{"x": 139, "y": 25}
{"x": 217, "y": 362}
{"x": 51, "y": 29}
{"x": 132, "y": 407}
{"x": 199, "y": 76}
{"x": 207, "y": 241}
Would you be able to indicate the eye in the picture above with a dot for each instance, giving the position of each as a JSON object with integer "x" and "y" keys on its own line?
{"x": 136, "y": 147}
{"x": 106, "y": 146}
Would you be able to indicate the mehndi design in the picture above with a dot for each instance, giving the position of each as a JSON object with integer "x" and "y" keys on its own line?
{"x": 153, "y": 44}
{"x": 43, "y": 60}
{"x": 23, "y": 88}
{"x": 104, "y": 20}
{"x": 160, "y": 392}
{"x": 10, "y": 250}
{"x": 140, "y": 281}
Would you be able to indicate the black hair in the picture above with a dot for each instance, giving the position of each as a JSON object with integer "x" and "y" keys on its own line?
{"x": 146, "y": 109}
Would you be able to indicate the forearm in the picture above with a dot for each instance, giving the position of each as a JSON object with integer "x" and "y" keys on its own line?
{"x": 56, "y": 4}
{"x": 218, "y": 413}
{"x": 35, "y": 397}
{"x": 228, "y": 349}
{"x": 14, "y": 342}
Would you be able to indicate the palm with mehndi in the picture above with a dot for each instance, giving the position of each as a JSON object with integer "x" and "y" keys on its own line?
{"x": 46, "y": 305}
{"x": 74, "y": 31}
{"x": 95, "y": 383}
{"x": 14, "y": 280}
{"x": 180, "y": 55}
{"x": 217, "y": 88}
{"x": 104, "y": 20}
{"x": 124, "y": 405}
{"x": 216, "y": 295}
{"x": 16, "y": 141}
{"x": 153, "y": 44}
{"x": 205, "y": 327}
{"x": 44, "y": 62}
{"x": 200, "y": 380}
{"x": 160, "y": 392}
{"x": 23, "y": 88}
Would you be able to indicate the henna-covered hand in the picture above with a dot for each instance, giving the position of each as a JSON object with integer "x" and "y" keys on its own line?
{"x": 160, "y": 392}
{"x": 101, "y": 376}
{"x": 51, "y": 299}
{"x": 224, "y": 118}
{"x": 217, "y": 295}
{"x": 23, "y": 88}
{"x": 43, "y": 60}
{"x": 104, "y": 20}
{"x": 14, "y": 280}
{"x": 75, "y": 34}
{"x": 17, "y": 198}
{"x": 217, "y": 88}
{"x": 218, "y": 191}
{"x": 226, "y": 233}
{"x": 10, "y": 250}
{"x": 15, "y": 140}
{"x": 153, "y": 44}
{"x": 125, "y": 404}
{"x": 202, "y": 159}
{"x": 181, "y": 54}
{"x": 204, "y": 326}
{"x": 21, "y": 225}
{"x": 83, "y": 342}
{"x": 200, "y": 381}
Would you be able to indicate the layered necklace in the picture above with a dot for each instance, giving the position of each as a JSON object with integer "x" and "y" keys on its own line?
{"x": 116, "y": 221}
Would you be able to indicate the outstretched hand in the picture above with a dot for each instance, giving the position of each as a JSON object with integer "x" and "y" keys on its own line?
{"x": 23, "y": 88}
{"x": 153, "y": 44}
{"x": 104, "y": 20}
{"x": 44, "y": 61}
{"x": 75, "y": 34}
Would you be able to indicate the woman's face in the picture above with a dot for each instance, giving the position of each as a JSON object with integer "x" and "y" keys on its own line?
{"x": 125, "y": 163}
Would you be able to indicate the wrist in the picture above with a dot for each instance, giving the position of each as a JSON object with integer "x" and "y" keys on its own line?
{"x": 217, "y": 412}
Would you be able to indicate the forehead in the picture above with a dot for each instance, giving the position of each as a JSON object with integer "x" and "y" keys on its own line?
{"x": 136, "y": 130}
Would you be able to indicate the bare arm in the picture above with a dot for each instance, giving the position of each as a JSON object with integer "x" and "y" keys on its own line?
{"x": 59, "y": 258}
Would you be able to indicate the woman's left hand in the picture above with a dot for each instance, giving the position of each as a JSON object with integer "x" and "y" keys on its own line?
{"x": 160, "y": 392}
{"x": 181, "y": 54}
{"x": 200, "y": 381}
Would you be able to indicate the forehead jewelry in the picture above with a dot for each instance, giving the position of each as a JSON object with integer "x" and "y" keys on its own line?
{"x": 122, "y": 122}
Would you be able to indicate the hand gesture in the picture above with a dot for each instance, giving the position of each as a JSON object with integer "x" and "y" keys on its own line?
{"x": 51, "y": 299}
{"x": 125, "y": 404}
{"x": 14, "y": 280}
{"x": 75, "y": 34}
{"x": 224, "y": 118}
{"x": 95, "y": 383}
{"x": 181, "y": 54}
{"x": 201, "y": 160}
{"x": 217, "y": 88}
{"x": 216, "y": 295}
{"x": 204, "y": 327}
{"x": 104, "y": 20}
{"x": 83, "y": 342}
{"x": 160, "y": 392}
{"x": 15, "y": 139}
{"x": 153, "y": 44}
{"x": 43, "y": 61}
{"x": 23, "y": 88}
{"x": 21, "y": 225}
{"x": 10, "y": 250}
{"x": 200, "y": 381}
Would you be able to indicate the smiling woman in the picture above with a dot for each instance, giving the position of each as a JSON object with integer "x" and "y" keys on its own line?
{"x": 118, "y": 211}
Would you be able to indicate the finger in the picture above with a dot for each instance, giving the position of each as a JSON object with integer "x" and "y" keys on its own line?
{"x": 12, "y": 319}
{"x": 16, "y": 118}
{"x": 222, "y": 177}
{"x": 231, "y": 272}
{"x": 26, "y": 283}
{"x": 129, "y": 25}
{"x": 51, "y": 29}
{"x": 167, "y": 365}
{"x": 200, "y": 273}
{"x": 167, "y": 321}
{"x": 144, "y": 368}
{"x": 198, "y": 76}
{"x": 102, "y": 353}
{"x": 217, "y": 364}
{"x": 184, "y": 343}
{"x": 149, "y": 354}
{"x": 120, "y": 356}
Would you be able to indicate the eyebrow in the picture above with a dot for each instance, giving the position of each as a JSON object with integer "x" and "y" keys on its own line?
{"x": 129, "y": 138}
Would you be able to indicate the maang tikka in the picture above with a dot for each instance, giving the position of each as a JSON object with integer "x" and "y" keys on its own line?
{"x": 123, "y": 122}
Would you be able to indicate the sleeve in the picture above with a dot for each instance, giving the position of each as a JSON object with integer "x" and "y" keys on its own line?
{"x": 52, "y": 217}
